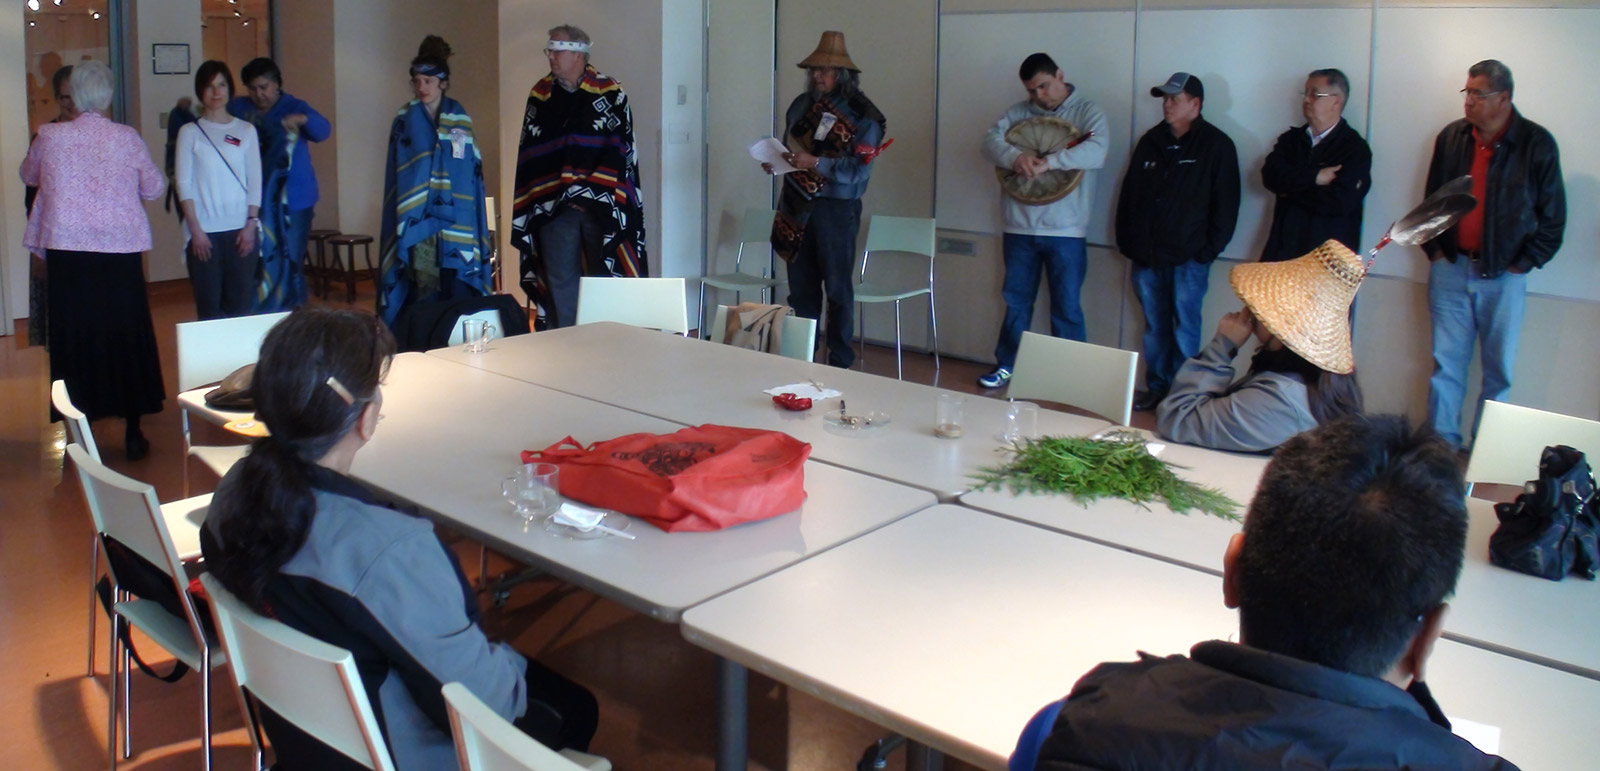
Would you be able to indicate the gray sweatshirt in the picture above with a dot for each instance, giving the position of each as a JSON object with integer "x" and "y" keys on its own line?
{"x": 1070, "y": 215}
{"x": 1206, "y": 408}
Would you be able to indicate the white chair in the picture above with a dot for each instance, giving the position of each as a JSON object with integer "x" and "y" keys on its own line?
{"x": 1510, "y": 439}
{"x": 79, "y": 433}
{"x": 1083, "y": 375}
{"x": 913, "y": 235}
{"x": 755, "y": 227}
{"x": 653, "y": 303}
{"x": 485, "y": 741}
{"x": 207, "y": 352}
{"x": 799, "y": 336}
{"x": 308, "y": 682}
{"x": 125, "y": 510}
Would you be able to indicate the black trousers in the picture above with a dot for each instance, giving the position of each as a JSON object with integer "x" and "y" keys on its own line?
{"x": 225, "y": 283}
{"x": 825, "y": 262}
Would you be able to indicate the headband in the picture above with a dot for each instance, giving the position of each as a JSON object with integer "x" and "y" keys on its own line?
{"x": 431, "y": 69}
{"x": 567, "y": 45}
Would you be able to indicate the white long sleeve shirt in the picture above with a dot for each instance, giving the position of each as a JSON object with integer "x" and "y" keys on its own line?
{"x": 221, "y": 176}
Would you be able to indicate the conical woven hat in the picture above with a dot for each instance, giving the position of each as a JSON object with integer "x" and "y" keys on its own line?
{"x": 1305, "y": 302}
{"x": 830, "y": 53}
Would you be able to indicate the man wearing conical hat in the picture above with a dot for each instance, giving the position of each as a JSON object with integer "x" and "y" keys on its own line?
{"x": 1045, "y": 236}
{"x": 1302, "y": 376}
{"x": 833, "y": 132}
{"x": 1478, "y": 282}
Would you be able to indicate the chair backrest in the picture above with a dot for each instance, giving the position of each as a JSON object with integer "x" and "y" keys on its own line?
{"x": 457, "y": 336}
{"x": 799, "y": 339}
{"x": 1510, "y": 439}
{"x": 306, "y": 681}
{"x": 209, "y": 350}
{"x": 755, "y": 227}
{"x": 914, "y": 235}
{"x": 126, "y": 510}
{"x": 78, "y": 431}
{"x": 1083, "y": 375}
{"x": 485, "y": 741}
{"x": 654, "y": 303}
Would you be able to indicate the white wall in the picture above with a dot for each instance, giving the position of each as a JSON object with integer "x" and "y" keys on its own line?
{"x": 13, "y": 148}
{"x": 168, "y": 21}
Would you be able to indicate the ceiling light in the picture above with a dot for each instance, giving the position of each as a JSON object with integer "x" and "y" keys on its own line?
{"x": 58, "y": 2}
{"x": 246, "y": 22}
{"x": 96, "y": 15}
{"x": 31, "y": 23}
{"x": 33, "y": 5}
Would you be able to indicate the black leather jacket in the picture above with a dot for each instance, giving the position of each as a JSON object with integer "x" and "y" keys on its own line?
{"x": 1526, "y": 212}
{"x": 1180, "y": 197}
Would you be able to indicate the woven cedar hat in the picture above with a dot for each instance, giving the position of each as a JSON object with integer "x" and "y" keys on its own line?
{"x": 830, "y": 53}
{"x": 1305, "y": 302}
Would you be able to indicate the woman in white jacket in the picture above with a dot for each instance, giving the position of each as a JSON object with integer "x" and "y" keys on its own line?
{"x": 218, "y": 169}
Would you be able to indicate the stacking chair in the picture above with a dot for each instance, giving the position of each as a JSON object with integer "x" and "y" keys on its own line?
{"x": 79, "y": 433}
{"x": 799, "y": 339}
{"x": 1083, "y": 375}
{"x": 1510, "y": 439}
{"x": 654, "y": 303}
{"x": 207, "y": 352}
{"x": 755, "y": 227}
{"x": 486, "y": 742}
{"x": 125, "y": 511}
{"x": 308, "y": 682}
{"x": 913, "y": 235}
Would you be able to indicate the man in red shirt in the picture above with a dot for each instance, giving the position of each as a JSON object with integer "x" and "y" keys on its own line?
{"x": 1478, "y": 281}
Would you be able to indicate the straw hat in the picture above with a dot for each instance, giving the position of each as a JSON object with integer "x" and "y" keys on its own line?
{"x": 830, "y": 53}
{"x": 1305, "y": 302}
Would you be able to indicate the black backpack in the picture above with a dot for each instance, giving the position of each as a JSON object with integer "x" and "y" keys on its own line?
{"x": 1551, "y": 529}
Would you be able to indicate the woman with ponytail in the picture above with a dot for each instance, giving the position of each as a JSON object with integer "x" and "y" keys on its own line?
{"x": 295, "y": 538}
{"x": 435, "y": 239}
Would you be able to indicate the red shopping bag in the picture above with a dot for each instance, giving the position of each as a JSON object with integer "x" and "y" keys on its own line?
{"x": 698, "y": 479}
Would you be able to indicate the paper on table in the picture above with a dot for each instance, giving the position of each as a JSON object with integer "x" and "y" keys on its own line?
{"x": 1485, "y": 737}
{"x": 804, "y": 391}
{"x": 770, "y": 150}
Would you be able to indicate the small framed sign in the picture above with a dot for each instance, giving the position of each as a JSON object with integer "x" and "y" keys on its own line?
{"x": 170, "y": 58}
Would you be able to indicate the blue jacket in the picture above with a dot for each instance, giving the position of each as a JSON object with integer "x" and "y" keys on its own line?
{"x": 269, "y": 127}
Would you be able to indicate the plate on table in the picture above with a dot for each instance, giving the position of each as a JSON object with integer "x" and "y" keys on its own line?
{"x": 611, "y": 519}
{"x": 855, "y": 422}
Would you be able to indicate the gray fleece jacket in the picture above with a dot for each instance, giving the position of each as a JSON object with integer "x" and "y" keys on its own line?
{"x": 1206, "y": 408}
{"x": 1069, "y": 216}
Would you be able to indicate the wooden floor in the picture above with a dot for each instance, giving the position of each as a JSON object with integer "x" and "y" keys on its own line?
{"x": 655, "y": 690}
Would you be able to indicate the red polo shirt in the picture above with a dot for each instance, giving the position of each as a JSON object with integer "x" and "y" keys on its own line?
{"x": 1469, "y": 232}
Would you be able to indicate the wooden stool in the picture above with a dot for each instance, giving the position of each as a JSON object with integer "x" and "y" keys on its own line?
{"x": 317, "y": 261}
{"x": 343, "y": 253}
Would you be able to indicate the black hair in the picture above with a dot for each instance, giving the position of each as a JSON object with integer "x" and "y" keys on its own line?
{"x": 63, "y": 74}
{"x": 433, "y": 58}
{"x": 262, "y": 515}
{"x": 208, "y": 71}
{"x": 1329, "y": 395}
{"x": 260, "y": 67}
{"x": 1036, "y": 64}
{"x": 1335, "y": 78}
{"x": 1357, "y": 530}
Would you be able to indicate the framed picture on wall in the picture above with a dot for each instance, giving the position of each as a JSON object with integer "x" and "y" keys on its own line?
{"x": 170, "y": 58}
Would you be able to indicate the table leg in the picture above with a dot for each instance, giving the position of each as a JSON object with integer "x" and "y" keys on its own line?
{"x": 733, "y": 703}
{"x": 920, "y": 757}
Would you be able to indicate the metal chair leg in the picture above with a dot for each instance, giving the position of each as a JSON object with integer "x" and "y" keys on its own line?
{"x": 94, "y": 574}
{"x": 205, "y": 705}
{"x": 933, "y": 324}
{"x": 899, "y": 358}
{"x": 112, "y": 692}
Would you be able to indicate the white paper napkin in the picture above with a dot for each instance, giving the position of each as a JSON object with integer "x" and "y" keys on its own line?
{"x": 804, "y": 391}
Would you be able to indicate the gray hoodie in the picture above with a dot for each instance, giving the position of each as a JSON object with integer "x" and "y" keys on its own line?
{"x": 1070, "y": 215}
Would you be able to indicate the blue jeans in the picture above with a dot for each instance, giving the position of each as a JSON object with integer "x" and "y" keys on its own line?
{"x": 1171, "y": 298}
{"x": 1064, "y": 261}
{"x": 1468, "y": 308}
{"x": 826, "y": 259}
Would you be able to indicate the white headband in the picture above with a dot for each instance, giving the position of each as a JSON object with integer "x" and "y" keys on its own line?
{"x": 567, "y": 45}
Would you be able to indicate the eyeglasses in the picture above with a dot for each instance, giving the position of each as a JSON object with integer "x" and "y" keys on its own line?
{"x": 1478, "y": 96}
{"x": 1314, "y": 95}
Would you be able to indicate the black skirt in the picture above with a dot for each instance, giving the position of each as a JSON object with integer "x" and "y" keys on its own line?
{"x": 102, "y": 341}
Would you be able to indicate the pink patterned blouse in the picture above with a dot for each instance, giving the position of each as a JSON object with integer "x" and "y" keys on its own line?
{"x": 91, "y": 173}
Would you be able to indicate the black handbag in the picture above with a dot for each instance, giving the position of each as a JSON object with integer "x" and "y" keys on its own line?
{"x": 234, "y": 392}
{"x": 1551, "y": 529}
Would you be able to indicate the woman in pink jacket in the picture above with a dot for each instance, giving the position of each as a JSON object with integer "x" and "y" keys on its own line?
{"x": 90, "y": 224}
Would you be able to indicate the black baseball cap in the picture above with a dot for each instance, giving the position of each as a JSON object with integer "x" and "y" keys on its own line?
{"x": 1180, "y": 81}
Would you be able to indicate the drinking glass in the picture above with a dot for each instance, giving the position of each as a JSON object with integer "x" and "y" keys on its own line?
{"x": 1022, "y": 422}
{"x": 475, "y": 335}
{"x": 535, "y": 491}
{"x": 948, "y": 413}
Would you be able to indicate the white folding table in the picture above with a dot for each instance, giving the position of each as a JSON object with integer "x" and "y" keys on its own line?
{"x": 953, "y": 627}
{"x": 696, "y": 381}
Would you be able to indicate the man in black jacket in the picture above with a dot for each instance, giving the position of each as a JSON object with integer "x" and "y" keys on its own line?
{"x": 1478, "y": 282}
{"x": 1352, "y": 545}
{"x": 1179, "y": 203}
{"x": 1320, "y": 173}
